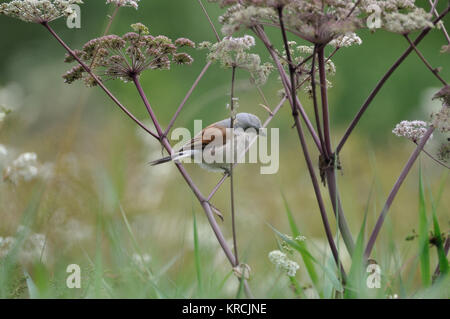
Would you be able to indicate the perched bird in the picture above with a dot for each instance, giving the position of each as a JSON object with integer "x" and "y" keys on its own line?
{"x": 213, "y": 148}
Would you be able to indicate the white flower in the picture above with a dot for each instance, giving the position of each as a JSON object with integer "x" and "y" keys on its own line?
{"x": 124, "y": 3}
{"x": 2, "y": 116}
{"x": 25, "y": 168}
{"x": 346, "y": 40}
{"x": 282, "y": 262}
{"x": 412, "y": 130}
{"x": 38, "y": 11}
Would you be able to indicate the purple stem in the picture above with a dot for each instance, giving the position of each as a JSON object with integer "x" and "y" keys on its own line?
{"x": 427, "y": 64}
{"x": 331, "y": 171}
{"x": 314, "y": 96}
{"x": 383, "y": 81}
{"x": 97, "y": 80}
{"x": 232, "y": 119}
{"x": 395, "y": 189}
{"x": 324, "y": 96}
{"x": 286, "y": 83}
{"x": 188, "y": 95}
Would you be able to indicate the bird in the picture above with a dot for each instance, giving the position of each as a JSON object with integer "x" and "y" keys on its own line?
{"x": 211, "y": 148}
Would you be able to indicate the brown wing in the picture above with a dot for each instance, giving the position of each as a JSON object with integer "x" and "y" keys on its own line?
{"x": 205, "y": 137}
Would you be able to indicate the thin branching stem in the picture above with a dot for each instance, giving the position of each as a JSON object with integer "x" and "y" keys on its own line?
{"x": 395, "y": 189}
{"x": 286, "y": 83}
{"x": 188, "y": 95}
{"x": 97, "y": 80}
{"x": 434, "y": 158}
{"x": 232, "y": 120}
{"x": 324, "y": 97}
{"x": 331, "y": 161}
{"x": 436, "y": 14}
{"x": 209, "y": 20}
{"x": 383, "y": 80}
{"x": 427, "y": 64}
{"x": 314, "y": 97}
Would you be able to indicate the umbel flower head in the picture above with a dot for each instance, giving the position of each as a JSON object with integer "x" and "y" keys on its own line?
{"x": 232, "y": 52}
{"x": 39, "y": 11}
{"x": 283, "y": 263}
{"x": 115, "y": 57}
{"x": 412, "y": 130}
{"x": 124, "y": 3}
{"x": 317, "y": 21}
{"x": 399, "y": 16}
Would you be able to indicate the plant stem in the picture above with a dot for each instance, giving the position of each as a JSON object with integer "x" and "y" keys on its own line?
{"x": 108, "y": 27}
{"x": 330, "y": 171}
{"x": 188, "y": 95}
{"x": 314, "y": 180}
{"x": 395, "y": 189}
{"x": 324, "y": 96}
{"x": 435, "y": 159}
{"x": 427, "y": 64}
{"x": 436, "y": 13}
{"x": 286, "y": 83}
{"x": 338, "y": 211}
{"x": 232, "y": 119}
{"x": 314, "y": 96}
{"x": 97, "y": 80}
{"x": 209, "y": 20}
{"x": 383, "y": 80}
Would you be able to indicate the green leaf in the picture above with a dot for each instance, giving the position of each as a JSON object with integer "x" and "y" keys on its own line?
{"x": 297, "y": 246}
{"x": 309, "y": 264}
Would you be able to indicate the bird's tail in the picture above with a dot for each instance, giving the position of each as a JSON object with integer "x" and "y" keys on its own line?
{"x": 161, "y": 161}
{"x": 174, "y": 157}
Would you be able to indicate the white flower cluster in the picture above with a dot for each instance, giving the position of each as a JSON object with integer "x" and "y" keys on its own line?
{"x": 39, "y": 11}
{"x": 282, "y": 262}
{"x": 399, "y": 16}
{"x": 124, "y": 3}
{"x": 405, "y": 23}
{"x": 346, "y": 40}
{"x": 232, "y": 52}
{"x": 412, "y": 130}
{"x": 33, "y": 247}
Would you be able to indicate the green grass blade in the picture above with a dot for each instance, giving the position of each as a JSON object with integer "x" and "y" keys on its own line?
{"x": 424, "y": 251}
{"x": 356, "y": 275}
{"x": 197, "y": 257}
{"x": 309, "y": 264}
{"x": 296, "y": 245}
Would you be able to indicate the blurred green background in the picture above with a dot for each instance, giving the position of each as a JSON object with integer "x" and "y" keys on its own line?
{"x": 99, "y": 158}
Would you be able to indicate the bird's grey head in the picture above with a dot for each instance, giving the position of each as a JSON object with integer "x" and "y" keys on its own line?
{"x": 247, "y": 121}
{"x": 244, "y": 121}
